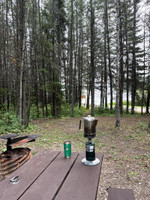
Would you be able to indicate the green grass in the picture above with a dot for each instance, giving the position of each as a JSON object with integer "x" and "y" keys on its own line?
{"x": 57, "y": 138}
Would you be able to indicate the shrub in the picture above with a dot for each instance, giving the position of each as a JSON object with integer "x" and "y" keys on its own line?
{"x": 9, "y": 123}
{"x": 66, "y": 111}
{"x": 79, "y": 112}
{"x": 99, "y": 110}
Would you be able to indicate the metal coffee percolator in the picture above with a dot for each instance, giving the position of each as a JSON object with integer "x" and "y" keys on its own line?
{"x": 90, "y": 132}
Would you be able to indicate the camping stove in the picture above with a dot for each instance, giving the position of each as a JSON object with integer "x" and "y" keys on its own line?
{"x": 90, "y": 132}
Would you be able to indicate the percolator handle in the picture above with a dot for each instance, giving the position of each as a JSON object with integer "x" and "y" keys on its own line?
{"x": 80, "y": 124}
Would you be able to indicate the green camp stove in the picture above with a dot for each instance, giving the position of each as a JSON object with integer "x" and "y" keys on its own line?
{"x": 90, "y": 132}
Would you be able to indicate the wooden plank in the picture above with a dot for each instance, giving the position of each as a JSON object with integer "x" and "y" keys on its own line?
{"x": 82, "y": 182}
{"x": 120, "y": 194}
{"x": 28, "y": 173}
{"x": 48, "y": 184}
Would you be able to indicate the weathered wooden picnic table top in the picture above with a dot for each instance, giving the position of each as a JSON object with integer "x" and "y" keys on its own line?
{"x": 48, "y": 175}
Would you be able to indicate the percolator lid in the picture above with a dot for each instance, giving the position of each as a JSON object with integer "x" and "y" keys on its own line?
{"x": 89, "y": 118}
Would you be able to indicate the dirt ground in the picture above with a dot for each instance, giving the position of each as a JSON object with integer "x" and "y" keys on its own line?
{"x": 126, "y": 162}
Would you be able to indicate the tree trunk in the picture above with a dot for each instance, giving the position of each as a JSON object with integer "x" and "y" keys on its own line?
{"x": 134, "y": 61}
{"x": 118, "y": 65}
{"x": 71, "y": 70}
{"x": 127, "y": 61}
{"x": 143, "y": 85}
{"x": 102, "y": 90}
{"x": 92, "y": 57}
{"x": 148, "y": 78}
{"x": 105, "y": 64}
{"x": 121, "y": 67}
{"x": 109, "y": 59}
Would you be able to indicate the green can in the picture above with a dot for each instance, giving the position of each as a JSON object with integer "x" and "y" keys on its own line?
{"x": 67, "y": 149}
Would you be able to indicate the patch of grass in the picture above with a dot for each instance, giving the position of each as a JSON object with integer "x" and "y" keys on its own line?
{"x": 113, "y": 147}
{"x": 137, "y": 157}
{"x": 126, "y": 158}
{"x": 142, "y": 157}
{"x": 116, "y": 159}
{"x": 145, "y": 169}
{"x": 100, "y": 145}
{"x": 100, "y": 134}
{"x": 129, "y": 138}
{"x": 31, "y": 128}
{"x": 57, "y": 138}
{"x": 142, "y": 126}
{"x": 148, "y": 156}
{"x": 132, "y": 174}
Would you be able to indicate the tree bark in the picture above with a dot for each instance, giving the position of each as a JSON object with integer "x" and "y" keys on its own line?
{"x": 143, "y": 84}
{"x": 134, "y": 61}
{"x": 118, "y": 65}
{"x": 107, "y": 45}
{"x": 127, "y": 58}
{"x": 92, "y": 49}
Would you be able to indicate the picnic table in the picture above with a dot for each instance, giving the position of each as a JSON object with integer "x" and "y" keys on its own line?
{"x": 48, "y": 175}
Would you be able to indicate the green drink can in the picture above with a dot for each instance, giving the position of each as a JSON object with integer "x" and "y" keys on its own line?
{"x": 67, "y": 149}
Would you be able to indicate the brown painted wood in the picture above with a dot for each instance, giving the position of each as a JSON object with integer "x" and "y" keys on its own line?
{"x": 48, "y": 184}
{"x": 120, "y": 194}
{"x": 48, "y": 175}
{"x": 82, "y": 182}
{"x": 28, "y": 173}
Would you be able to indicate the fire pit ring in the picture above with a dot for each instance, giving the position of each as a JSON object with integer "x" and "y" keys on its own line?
{"x": 11, "y": 160}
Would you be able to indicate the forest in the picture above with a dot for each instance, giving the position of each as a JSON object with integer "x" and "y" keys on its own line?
{"x": 52, "y": 50}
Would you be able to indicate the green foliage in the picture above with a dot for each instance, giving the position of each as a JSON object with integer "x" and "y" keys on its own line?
{"x": 65, "y": 111}
{"x": 78, "y": 112}
{"x": 33, "y": 111}
{"x": 31, "y": 128}
{"x": 138, "y": 99}
{"x": 3, "y": 91}
{"x": 9, "y": 123}
{"x": 125, "y": 103}
{"x": 104, "y": 111}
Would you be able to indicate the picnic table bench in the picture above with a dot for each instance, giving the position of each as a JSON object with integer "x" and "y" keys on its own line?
{"x": 48, "y": 175}
{"x": 120, "y": 194}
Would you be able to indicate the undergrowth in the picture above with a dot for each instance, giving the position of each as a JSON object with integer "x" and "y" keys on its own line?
{"x": 9, "y": 122}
